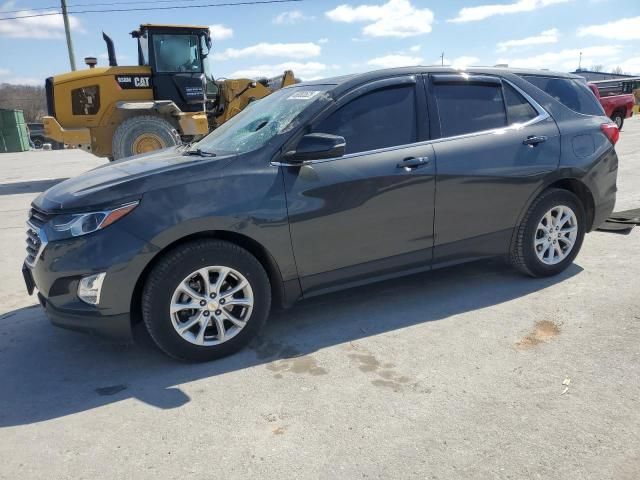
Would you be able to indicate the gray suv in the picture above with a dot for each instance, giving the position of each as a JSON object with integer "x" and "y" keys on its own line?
{"x": 321, "y": 186}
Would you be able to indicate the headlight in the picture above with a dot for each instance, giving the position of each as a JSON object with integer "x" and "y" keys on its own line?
{"x": 77, "y": 224}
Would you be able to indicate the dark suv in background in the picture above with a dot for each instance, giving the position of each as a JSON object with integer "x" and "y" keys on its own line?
{"x": 322, "y": 186}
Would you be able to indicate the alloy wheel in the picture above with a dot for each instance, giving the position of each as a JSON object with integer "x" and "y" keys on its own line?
{"x": 556, "y": 235}
{"x": 211, "y": 305}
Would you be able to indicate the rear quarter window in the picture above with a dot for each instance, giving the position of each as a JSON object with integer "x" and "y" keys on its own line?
{"x": 573, "y": 94}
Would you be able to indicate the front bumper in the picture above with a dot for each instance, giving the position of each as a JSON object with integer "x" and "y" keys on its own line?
{"x": 111, "y": 326}
{"x": 57, "y": 271}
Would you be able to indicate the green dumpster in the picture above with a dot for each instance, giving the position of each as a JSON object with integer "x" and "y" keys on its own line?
{"x": 13, "y": 131}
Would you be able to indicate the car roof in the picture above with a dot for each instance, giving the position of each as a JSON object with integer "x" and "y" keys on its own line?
{"x": 346, "y": 82}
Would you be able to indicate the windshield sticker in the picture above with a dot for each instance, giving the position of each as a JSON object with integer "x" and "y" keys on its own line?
{"x": 304, "y": 95}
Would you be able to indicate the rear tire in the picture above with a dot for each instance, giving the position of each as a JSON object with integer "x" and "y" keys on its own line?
{"x": 175, "y": 297}
{"x": 550, "y": 234}
{"x": 143, "y": 134}
{"x": 618, "y": 119}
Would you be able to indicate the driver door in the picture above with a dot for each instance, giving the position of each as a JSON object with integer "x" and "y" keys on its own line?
{"x": 369, "y": 212}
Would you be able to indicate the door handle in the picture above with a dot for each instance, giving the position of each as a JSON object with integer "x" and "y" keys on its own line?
{"x": 413, "y": 162}
{"x": 534, "y": 140}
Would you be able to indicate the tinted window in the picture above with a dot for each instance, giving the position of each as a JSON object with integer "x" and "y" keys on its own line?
{"x": 571, "y": 93}
{"x": 519, "y": 110}
{"x": 176, "y": 53}
{"x": 467, "y": 108}
{"x": 383, "y": 118}
{"x": 86, "y": 100}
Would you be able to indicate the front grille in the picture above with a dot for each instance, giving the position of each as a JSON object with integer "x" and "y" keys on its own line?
{"x": 35, "y": 243}
{"x": 38, "y": 218}
{"x": 48, "y": 90}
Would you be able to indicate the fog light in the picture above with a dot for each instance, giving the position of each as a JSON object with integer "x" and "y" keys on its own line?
{"x": 89, "y": 288}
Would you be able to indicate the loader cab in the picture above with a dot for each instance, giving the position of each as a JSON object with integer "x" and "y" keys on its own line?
{"x": 176, "y": 55}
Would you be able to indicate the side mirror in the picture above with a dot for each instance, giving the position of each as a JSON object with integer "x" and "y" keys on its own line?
{"x": 316, "y": 146}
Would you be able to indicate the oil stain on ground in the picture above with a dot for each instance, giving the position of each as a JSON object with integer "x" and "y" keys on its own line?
{"x": 287, "y": 359}
{"x": 543, "y": 331}
{"x": 389, "y": 378}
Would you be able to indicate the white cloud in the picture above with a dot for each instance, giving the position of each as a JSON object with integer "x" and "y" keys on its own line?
{"x": 548, "y": 36}
{"x": 567, "y": 59}
{"x": 415, "y": 48}
{"x": 220, "y": 32}
{"x": 630, "y": 65}
{"x": 464, "y": 61}
{"x": 290, "y": 17}
{"x": 286, "y": 50}
{"x": 395, "y": 18}
{"x": 305, "y": 71}
{"x": 322, "y": 41}
{"x": 481, "y": 12}
{"x": 391, "y": 61}
{"x": 623, "y": 29}
{"x": 50, "y": 26}
{"x": 32, "y": 81}
{"x": 4, "y": 71}
{"x": 105, "y": 56}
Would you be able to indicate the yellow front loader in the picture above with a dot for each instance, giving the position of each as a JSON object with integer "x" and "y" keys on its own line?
{"x": 170, "y": 97}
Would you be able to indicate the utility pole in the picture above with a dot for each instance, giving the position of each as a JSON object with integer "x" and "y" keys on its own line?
{"x": 580, "y": 62}
{"x": 67, "y": 31}
{"x": 442, "y": 59}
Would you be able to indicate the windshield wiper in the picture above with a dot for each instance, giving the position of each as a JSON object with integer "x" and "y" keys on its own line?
{"x": 199, "y": 153}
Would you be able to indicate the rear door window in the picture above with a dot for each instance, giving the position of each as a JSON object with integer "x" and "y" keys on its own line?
{"x": 519, "y": 110}
{"x": 573, "y": 94}
{"x": 379, "y": 119}
{"x": 467, "y": 108}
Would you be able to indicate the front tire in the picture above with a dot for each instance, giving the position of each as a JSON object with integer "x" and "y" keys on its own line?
{"x": 143, "y": 134}
{"x": 205, "y": 300}
{"x": 550, "y": 234}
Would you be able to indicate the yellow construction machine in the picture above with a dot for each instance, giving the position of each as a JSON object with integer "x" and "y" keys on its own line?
{"x": 170, "y": 97}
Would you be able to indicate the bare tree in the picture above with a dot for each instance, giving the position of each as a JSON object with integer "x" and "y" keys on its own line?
{"x": 30, "y": 99}
{"x": 618, "y": 70}
{"x": 597, "y": 68}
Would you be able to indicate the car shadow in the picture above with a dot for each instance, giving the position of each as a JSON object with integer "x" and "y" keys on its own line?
{"x": 47, "y": 373}
{"x": 30, "y": 186}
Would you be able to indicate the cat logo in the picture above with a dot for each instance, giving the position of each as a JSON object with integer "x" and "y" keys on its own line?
{"x": 133, "y": 81}
{"x": 141, "y": 82}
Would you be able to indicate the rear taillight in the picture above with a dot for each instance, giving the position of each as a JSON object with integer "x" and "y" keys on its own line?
{"x": 611, "y": 131}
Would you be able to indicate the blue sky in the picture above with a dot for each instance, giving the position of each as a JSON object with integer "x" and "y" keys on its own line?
{"x": 319, "y": 38}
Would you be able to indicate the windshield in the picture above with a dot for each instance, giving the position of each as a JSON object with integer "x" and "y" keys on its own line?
{"x": 264, "y": 119}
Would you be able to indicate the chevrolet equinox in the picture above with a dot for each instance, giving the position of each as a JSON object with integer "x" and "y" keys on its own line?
{"x": 321, "y": 186}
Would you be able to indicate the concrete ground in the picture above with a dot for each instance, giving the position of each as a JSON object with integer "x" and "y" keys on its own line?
{"x": 469, "y": 372}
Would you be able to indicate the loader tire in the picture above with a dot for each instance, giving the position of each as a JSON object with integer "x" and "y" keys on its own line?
{"x": 143, "y": 134}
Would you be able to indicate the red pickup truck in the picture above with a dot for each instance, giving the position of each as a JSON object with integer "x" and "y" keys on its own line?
{"x": 617, "y": 107}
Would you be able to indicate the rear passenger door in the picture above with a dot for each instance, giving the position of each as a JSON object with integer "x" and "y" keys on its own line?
{"x": 494, "y": 146}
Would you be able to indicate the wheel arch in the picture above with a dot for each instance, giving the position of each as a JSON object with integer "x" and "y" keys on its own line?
{"x": 571, "y": 184}
{"x": 252, "y": 246}
{"x": 580, "y": 190}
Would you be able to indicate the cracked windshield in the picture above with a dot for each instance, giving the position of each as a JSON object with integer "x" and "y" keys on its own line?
{"x": 263, "y": 119}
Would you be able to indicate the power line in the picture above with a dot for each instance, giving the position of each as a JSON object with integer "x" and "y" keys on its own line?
{"x": 111, "y": 10}
{"x": 108, "y": 4}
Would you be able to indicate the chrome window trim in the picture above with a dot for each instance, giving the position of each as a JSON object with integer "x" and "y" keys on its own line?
{"x": 542, "y": 116}
{"x": 43, "y": 243}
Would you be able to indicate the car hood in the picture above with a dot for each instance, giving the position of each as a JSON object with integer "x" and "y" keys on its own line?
{"x": 126, "y": 180}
